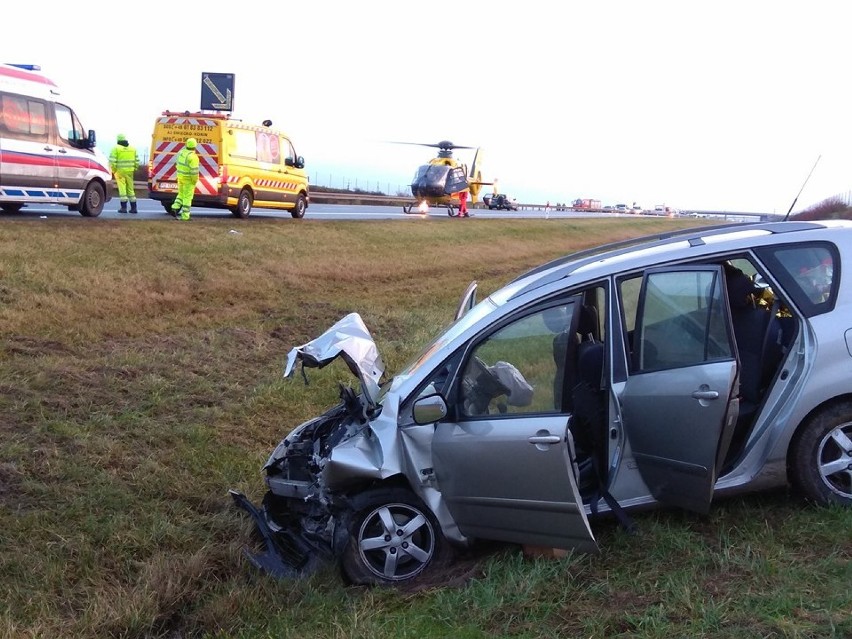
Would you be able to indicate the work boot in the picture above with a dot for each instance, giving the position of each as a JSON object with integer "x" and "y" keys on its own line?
{"x": 184, "y": 214}
{"x": 122, "y": 207}
{"x": 133, "y": 208}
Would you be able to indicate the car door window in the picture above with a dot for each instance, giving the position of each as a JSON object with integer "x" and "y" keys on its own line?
{"x": 514, "y": 370}
{"x": 681, "y": 320}
{"x": 68, "y": 126}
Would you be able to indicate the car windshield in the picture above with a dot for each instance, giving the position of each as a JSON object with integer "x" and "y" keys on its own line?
{"x": 447, "y": 335}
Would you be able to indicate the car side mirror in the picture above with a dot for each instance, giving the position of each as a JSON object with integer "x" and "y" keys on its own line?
{"x": 429, "y": 409}
{"x": 300, "y": 162}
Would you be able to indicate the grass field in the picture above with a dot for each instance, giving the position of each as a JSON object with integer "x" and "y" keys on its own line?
{"x": 141, "y": 378}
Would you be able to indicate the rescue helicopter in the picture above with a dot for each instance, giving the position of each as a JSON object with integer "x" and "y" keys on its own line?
{"x": 439, "y": 182}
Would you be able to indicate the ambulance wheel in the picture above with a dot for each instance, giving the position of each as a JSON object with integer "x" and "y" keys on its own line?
{"x": 243, "y": 207}
{"x": 93, "y": 200}
{"x": 298, "y": 211}
{"x": 11, "y": 207}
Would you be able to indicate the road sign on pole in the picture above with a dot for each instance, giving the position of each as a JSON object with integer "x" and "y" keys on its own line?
{"x": 217, "y": 91}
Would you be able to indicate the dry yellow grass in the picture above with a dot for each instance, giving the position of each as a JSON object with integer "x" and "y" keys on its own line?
{"x": 140, "y": 378}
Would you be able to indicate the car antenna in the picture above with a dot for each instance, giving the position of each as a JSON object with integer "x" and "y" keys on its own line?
{"x": 802, "y": 189}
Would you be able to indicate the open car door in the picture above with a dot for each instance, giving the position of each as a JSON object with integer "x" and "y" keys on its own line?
{"x": 504, "y": 458}
{"x": 512, "y": 480}
{"x": 680, "y": 401}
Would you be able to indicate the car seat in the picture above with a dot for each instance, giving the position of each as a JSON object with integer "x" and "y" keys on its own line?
{"x": 565, "y": 355}
{"x": 758, "y": 334}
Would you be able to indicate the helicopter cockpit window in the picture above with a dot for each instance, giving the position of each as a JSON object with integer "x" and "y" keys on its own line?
{"x": 431, "y": 174}
{"x": 456, "y": 181}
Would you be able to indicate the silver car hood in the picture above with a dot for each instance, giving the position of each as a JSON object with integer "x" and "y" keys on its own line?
{"x": 349, "y": 339}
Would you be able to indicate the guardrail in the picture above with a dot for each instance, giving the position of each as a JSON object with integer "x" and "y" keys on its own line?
{"x": 322, "y": 197}
{"x": 355, "y": 198}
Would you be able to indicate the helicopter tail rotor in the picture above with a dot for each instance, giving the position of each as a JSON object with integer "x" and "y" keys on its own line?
{"x": 475, "y": 182}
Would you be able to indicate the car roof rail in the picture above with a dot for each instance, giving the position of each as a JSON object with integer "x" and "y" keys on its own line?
{"x": 587, "y": 256}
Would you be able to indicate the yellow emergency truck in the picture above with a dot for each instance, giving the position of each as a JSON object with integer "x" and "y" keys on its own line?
{"x": 240, "y": 165}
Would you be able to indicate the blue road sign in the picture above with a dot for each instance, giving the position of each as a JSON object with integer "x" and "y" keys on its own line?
{"x": 217, "y": 91}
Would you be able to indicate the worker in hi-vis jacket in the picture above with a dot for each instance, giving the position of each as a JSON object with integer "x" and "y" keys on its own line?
{"x": 186, "y": 164}
{"x": 123, "y": 163}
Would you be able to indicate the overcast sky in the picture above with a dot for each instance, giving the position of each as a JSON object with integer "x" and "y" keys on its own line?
{"x": 722, "y": 105}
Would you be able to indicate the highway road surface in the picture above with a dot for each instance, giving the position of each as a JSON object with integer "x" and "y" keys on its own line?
{"x": 153, "y": 210}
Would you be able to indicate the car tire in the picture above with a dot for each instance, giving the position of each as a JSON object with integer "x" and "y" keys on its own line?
{"x": 821, "y": 457}
{"x": 93, "y": 200}
{"x": 298, "y": 211}
{"x": 393, "y": 538}
{"x": 243, "y": 207}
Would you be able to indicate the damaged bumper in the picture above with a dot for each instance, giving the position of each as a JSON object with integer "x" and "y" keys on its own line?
{"x": 285, "y": 554}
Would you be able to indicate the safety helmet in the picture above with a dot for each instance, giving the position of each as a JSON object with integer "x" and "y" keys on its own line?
{"x": 191, "y": 143}
{"x": 121, "y": 138}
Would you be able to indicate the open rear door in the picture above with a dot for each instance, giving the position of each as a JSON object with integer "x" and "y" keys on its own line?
{"x": 680, "y": 401}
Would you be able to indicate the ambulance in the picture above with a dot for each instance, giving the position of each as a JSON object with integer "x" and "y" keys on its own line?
{"x": 46, "y": 156}
{"x": 241, "y": 165}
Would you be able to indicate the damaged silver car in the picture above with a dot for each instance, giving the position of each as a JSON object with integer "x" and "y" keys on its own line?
{"x": 662, "y": 370}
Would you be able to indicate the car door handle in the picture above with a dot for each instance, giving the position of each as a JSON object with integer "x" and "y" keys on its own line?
{"x": 705, "y": 394}
{"x": 544, "y": 439}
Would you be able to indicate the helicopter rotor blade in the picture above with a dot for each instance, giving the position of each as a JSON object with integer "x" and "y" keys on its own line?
{"x": 444, "y": 144}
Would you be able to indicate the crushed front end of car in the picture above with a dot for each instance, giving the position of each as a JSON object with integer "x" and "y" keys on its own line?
{"x": 302, "y": 519}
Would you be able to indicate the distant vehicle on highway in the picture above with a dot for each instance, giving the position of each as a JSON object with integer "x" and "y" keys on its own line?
{"x": 587, "y": 205}
{"x": 662, "y": 209}
{"x": 500, "y": 201}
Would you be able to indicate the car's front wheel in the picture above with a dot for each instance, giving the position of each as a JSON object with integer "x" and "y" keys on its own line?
{"x": 92, "y": 202}
{"x": 821, "y": 457}
{"x": 393, "y": 538}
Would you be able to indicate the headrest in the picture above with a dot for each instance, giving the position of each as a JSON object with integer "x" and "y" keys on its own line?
{"x": 740, "y": 288}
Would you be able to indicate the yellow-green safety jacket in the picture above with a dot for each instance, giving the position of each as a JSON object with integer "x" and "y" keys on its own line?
{"x": 123, "y": 159}
{"x": 187, "y": 165}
